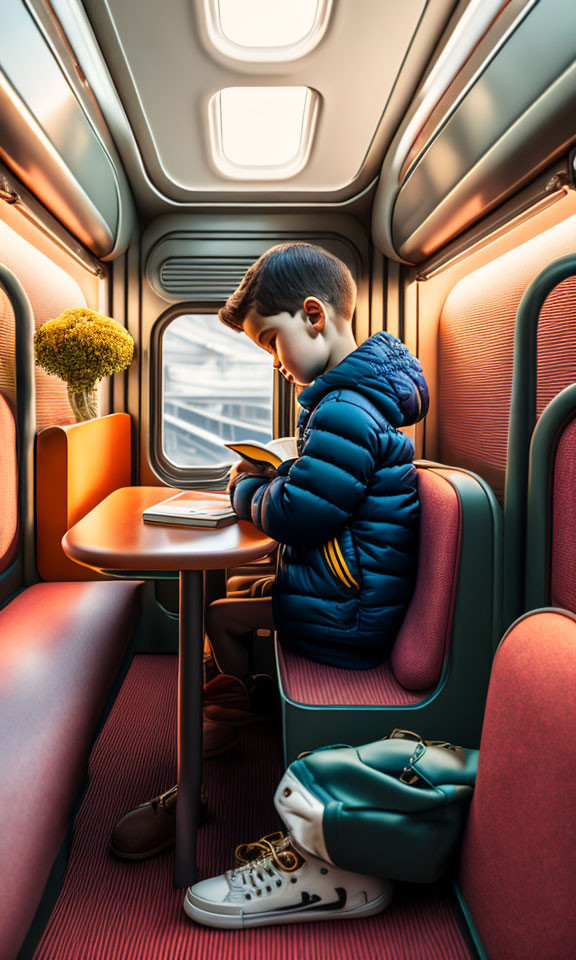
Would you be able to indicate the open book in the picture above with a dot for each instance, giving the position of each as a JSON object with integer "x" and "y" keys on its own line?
{"x": 184, "y": 510}
{"x": 270, "y": 454}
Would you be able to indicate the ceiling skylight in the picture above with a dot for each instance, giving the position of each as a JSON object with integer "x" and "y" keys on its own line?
{"x": 262, "y": 133}
{"x": 266, "y": 29}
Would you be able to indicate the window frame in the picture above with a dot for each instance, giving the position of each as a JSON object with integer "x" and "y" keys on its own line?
{"x": 283, "y": 405}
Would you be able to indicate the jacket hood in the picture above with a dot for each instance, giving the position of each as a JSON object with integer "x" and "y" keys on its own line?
{"x": 383, "y": 369}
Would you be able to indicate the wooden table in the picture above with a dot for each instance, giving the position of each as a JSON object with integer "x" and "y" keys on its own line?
{"x": 114, "y": 539}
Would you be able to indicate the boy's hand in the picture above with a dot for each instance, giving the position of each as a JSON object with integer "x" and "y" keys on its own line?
{"x": 246, "y": 466}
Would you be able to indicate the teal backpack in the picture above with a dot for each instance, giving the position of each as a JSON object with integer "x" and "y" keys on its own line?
{"x": 393, "y": 808}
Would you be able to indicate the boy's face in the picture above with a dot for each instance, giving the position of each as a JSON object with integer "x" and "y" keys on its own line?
{"x": 299, "y": 349}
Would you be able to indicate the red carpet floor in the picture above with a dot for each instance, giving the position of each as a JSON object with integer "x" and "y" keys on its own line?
{"x": 109, "y": 910}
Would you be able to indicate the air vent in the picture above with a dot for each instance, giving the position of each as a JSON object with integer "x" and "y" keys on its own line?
{"x": 203, "y": 278}
{"x": 184, "y": 266}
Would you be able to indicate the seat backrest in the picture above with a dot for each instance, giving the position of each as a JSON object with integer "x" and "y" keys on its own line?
{"x": 422, "y": 641}
{"x": 77, "y": 466}
{"x": 517, "y": 868}
{"x": 551, "y": 513}
{"x": 562, "y": 587}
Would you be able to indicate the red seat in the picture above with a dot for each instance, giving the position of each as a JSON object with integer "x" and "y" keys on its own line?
{"x": 517, "y": 869}
{"x": 61, "y": 645}
{"x": 551, "y": 533}
{"x": 437, "y": 675}
{"x": 562, "y": 536}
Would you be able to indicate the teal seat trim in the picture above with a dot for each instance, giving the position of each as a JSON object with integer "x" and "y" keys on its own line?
{"x": 25, "y": 413}
{"x": 468, "y": 923}
{"x": 522, "y": 423}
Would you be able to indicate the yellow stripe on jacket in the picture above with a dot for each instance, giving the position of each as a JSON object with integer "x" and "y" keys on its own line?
{"x": 338, "y": 565}
{"x": 344, "y": 564}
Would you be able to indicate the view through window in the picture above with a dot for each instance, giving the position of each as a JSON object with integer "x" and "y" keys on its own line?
{"x": 217, "y": 387}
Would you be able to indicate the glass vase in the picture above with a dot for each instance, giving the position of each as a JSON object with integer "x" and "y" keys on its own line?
{"x": 84, "y": 403}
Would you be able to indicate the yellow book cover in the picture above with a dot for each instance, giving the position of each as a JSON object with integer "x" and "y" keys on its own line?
{"x": 270, "y": 454}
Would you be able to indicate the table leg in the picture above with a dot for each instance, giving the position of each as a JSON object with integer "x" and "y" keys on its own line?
{"x": 190, "y": 683}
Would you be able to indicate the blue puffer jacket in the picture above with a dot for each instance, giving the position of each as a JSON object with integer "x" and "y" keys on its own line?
{"x": 346, "y": 510}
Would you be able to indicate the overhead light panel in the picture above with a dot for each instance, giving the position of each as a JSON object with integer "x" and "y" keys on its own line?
{"x": 262, "y": 133}
{"x": 266, "y": 30}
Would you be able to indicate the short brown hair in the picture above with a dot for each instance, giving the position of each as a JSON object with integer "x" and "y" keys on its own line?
{"x": 284, "y": 276}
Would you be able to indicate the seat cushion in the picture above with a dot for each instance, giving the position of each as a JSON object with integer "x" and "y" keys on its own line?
{"x": 517, "y": 871}
{"x": 316, "y": 684}
{"x": 61, "y": 645}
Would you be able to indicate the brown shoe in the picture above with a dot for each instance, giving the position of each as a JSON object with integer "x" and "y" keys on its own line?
{"x": 228, "y": 701}
{"x": 150, "y": 828}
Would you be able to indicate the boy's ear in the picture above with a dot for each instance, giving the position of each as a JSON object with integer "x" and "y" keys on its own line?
{"x": 316, "y": 312}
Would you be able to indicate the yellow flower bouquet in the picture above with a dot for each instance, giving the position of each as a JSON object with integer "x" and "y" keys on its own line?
{"x": 82, "y": 346}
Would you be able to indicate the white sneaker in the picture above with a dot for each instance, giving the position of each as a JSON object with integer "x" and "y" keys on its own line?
{"x": 283, "y": 885}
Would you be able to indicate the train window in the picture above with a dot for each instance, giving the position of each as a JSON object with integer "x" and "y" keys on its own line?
{"x": 266, "y": 29}
{"x": 262, "y": 133}
{"x": 216, "y": 386}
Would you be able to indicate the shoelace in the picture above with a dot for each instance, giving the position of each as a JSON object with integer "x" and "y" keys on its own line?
{"x": 262, "y": 862}
{"x": 274, "y": 846}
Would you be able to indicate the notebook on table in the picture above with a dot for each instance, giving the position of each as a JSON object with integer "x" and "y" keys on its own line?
{"x": 182, "y": 510}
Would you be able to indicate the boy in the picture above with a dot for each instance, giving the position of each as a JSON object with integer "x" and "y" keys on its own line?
{"x": 345, "y": 511}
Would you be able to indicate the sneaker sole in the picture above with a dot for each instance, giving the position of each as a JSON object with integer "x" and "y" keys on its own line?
{"x": 241, "y": 921}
